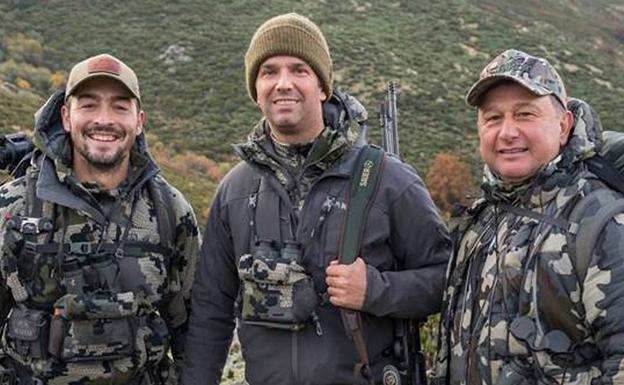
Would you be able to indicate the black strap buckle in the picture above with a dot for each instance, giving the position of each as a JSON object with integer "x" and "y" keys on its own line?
{"x": 30, "y": 225}
{"x": 82, "y": 248}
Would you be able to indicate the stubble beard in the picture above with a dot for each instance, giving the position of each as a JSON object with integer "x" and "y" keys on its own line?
{"x": 102, "y": 161}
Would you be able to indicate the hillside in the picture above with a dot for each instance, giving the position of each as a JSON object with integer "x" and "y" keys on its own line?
{"x": 189, "y": 57}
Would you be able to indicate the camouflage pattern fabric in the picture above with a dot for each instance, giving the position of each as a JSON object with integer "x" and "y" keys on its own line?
{"x": 514, "y": 297}
{"x": 269, "y": 291}
{"x": 298, "y": 166}
{"x": 147, "y": 289}
{"x": 534, "y": 73}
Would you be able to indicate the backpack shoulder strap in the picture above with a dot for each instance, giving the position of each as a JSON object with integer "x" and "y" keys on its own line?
{"x": 160, "y": 193}
{"x": 586, "y": 226}
{"x": 607, "y": 172}
{"x": 165, "y": 216}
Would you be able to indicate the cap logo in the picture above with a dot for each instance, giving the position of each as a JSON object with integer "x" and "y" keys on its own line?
{"x": 104, "y": 64}
{"x": 518, "y": 65}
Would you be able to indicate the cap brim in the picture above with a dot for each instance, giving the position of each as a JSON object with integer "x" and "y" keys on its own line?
{"x": 71, "y": 90}
{"x": 476, "y": 92}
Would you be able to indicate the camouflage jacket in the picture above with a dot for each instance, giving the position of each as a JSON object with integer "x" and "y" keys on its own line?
{"x": 515, "y": 302}
{"x": 403, "y": 229}
{"x": 152, "y": 282}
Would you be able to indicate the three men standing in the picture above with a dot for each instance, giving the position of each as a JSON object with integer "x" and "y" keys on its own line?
{"x": 268, "y": 260}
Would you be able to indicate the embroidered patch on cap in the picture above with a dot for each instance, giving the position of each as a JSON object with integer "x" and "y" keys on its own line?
{"x": 104, "y": 64}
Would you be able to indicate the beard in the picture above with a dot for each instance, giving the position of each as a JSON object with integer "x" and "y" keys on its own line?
{"x": 102, "y": 160}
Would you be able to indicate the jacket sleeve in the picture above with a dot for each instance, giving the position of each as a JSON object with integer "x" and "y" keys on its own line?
{"x": 603, "y": 299}
{"x": 11, "y": 203}
{"x": 420, "y": 243}
{"x": 212, "y": 302}
{"x": 187, "y": 247}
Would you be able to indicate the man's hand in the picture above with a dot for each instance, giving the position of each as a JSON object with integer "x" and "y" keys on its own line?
{"x": 346, "y": 284}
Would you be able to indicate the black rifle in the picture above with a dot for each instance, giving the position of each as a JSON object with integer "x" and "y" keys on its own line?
{"x": 13, "y": 150}
{"x": 410, "y": 369}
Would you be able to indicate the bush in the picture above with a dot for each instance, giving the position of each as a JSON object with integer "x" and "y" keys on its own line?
{"x": 449, "y": 181}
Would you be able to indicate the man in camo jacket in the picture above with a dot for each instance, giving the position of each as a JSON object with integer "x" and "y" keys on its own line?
{"x": 97, "y": 250}
{"x": 524, "y": 303}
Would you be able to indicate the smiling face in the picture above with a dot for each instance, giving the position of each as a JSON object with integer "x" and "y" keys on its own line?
{"x": 103, "y": 120}
{"x": 520, "y": 132}
{"x": 290, "y": 98}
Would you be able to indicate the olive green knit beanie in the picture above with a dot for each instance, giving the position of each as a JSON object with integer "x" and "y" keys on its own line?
{"x": 293, "y": 35}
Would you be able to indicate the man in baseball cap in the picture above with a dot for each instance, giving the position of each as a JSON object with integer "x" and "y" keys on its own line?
{"x": 103, "y": 116}
{"x": 288, "y": 197}
{"x": 527, "y": 285}
{"x": 103, "y": 298}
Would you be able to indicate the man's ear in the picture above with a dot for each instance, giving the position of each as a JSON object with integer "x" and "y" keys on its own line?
{"x": 323, "y": 96}
{"x": 141, "y": 123}
{"x": 65, "y": 116}
{"x": 566, "y": 123}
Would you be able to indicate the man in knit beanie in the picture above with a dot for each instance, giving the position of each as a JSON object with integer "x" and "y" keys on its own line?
{"x": 268, "y": 261}
{"x": 293, "y": 46}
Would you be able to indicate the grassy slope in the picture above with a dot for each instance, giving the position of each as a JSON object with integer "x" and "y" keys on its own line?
{"x": 434, "y": 50}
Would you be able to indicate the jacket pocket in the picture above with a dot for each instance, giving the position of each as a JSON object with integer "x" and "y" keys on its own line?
{"x": 98, "y": 327}
{"x": 27, "y": 332}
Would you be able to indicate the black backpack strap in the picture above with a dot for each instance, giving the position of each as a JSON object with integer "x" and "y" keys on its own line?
{"x": 521, "y": 211}
{"x": 364, "y": 184}
{"x": 586, "y": 227}
{"x": 606, "y": 171}
{"x": 34, "y": 205}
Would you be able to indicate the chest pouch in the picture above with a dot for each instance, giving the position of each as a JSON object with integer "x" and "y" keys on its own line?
{"x": 276, "y": 290}
{"x": 98, "y": 326}
{"x": 27, "y": 332}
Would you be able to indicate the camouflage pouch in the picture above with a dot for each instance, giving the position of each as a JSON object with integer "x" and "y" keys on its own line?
{"x": 98, "y": 327}
{"x": 276, "y": 291}
{"x": 27, "y": 332}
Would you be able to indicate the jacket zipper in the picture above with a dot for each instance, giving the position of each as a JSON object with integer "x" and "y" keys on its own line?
{"x": 326, "y": 209}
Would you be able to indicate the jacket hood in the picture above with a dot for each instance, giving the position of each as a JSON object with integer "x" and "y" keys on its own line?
{"x": 586, "y": 137}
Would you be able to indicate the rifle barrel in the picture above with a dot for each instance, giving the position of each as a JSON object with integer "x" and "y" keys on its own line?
{"x": 388, "y": 121}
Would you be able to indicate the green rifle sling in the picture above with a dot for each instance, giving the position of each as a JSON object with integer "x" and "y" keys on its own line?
{"x": 363, "y": 187}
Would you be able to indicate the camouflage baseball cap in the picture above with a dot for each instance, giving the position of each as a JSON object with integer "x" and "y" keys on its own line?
{"x": 534, "y": 73}
{"x": 103, "y": 65}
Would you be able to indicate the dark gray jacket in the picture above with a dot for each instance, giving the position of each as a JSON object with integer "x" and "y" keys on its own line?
{"x": 403, "y": 229}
